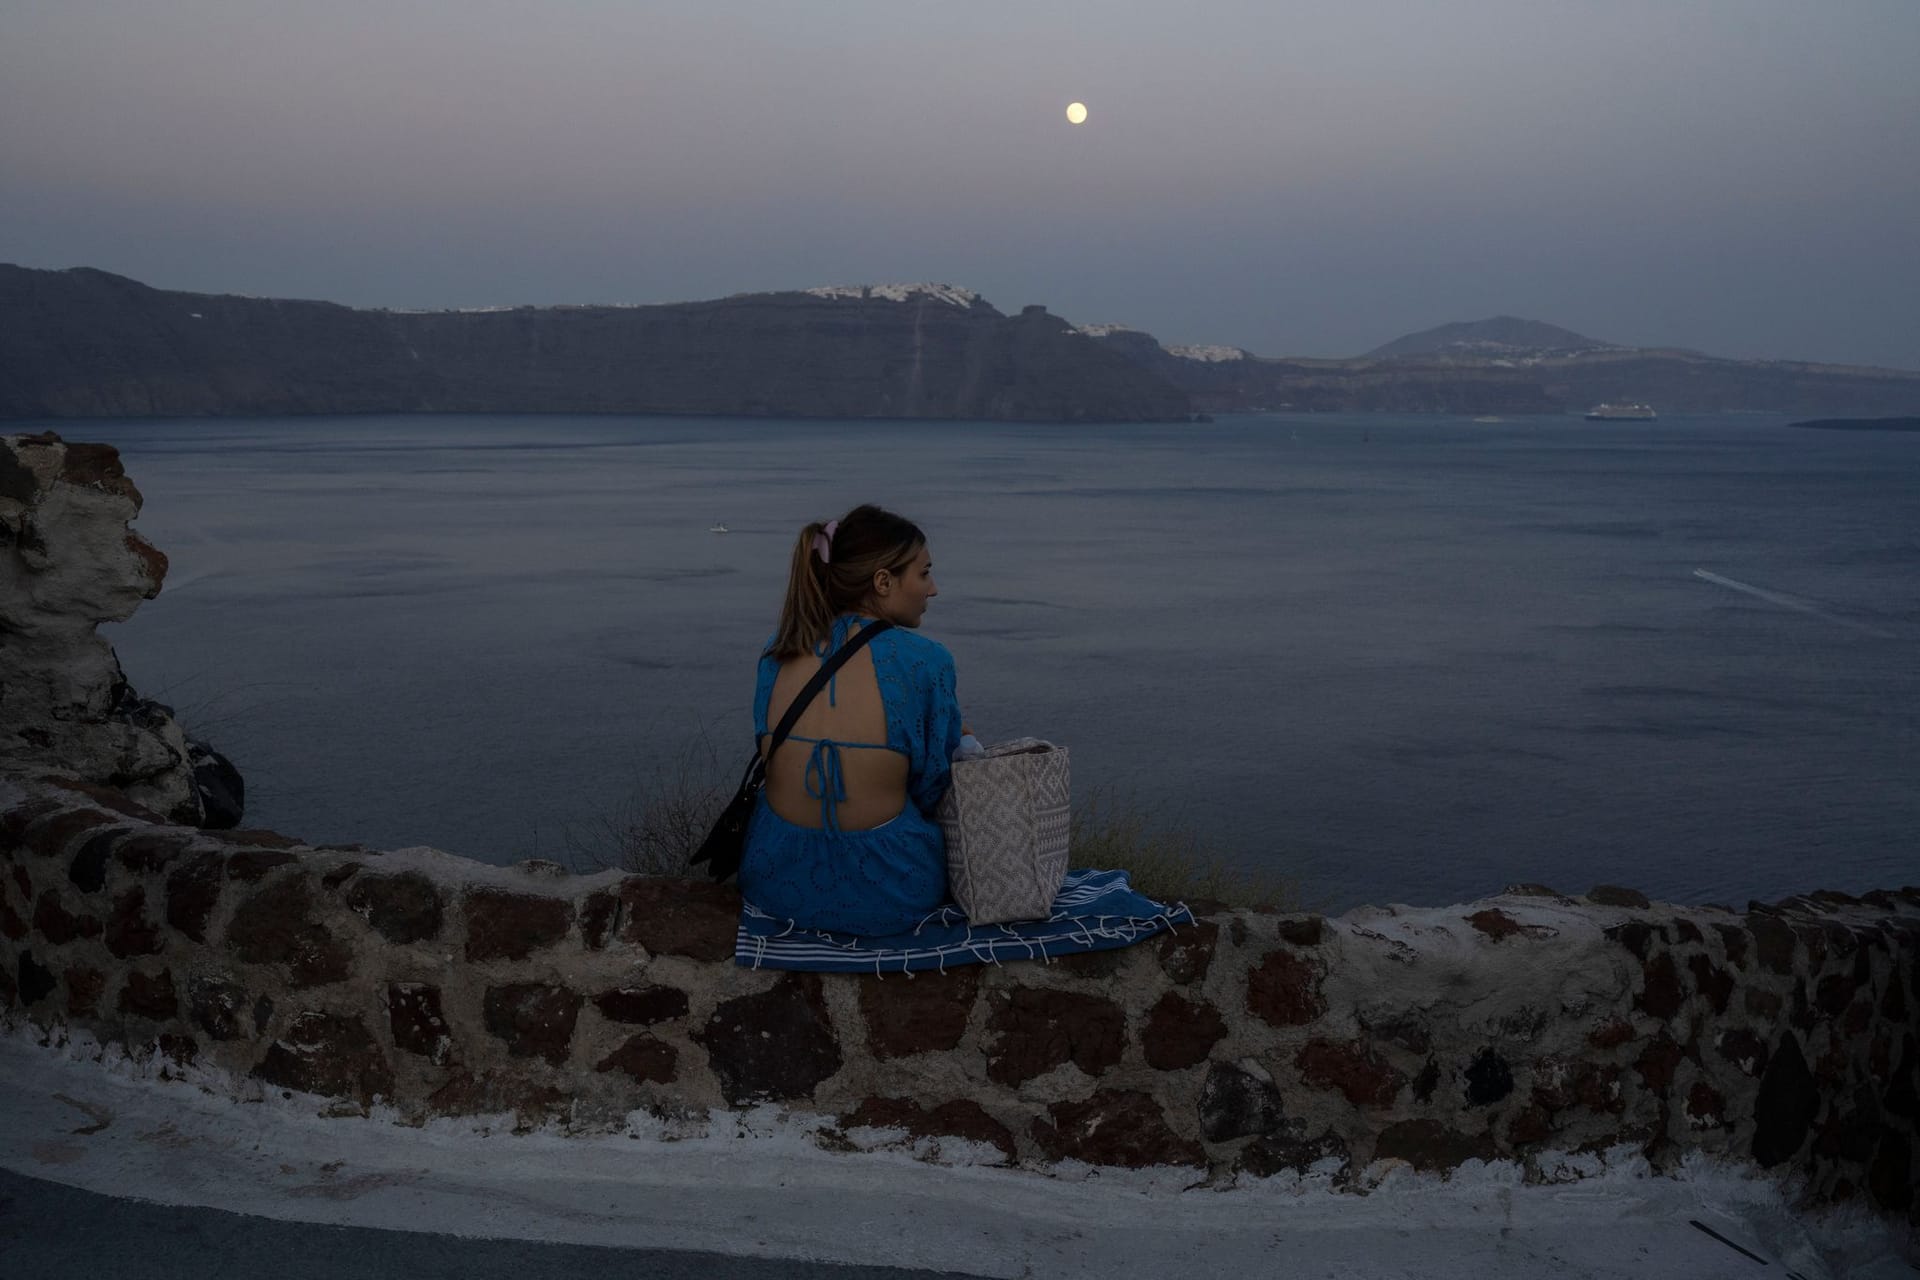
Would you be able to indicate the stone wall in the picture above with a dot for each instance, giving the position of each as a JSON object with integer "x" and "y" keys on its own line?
{"x": 1520, "y": 1027}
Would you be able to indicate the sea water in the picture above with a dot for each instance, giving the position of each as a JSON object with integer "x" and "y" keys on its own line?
{"x": 1396, "y": 659}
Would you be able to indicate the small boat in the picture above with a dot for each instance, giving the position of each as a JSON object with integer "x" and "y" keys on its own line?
{"x": 1620, "y": 413}
{"x": 718, "y": 528}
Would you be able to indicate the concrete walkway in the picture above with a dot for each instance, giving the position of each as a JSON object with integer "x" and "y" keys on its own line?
{"x": 118, "y": 1175}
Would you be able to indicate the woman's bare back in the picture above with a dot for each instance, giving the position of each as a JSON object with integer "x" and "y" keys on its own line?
{"x": 876, "y": 780}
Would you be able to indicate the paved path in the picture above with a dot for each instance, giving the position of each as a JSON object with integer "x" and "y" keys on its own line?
{"x": 270, "y": 1187}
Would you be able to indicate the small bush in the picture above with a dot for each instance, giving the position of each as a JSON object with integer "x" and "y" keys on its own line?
{"x": 660, "y": 827}
{"x": 1168, "y": 865}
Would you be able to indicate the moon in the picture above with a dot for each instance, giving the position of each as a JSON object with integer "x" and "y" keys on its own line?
{"x": 1076, "y": 113}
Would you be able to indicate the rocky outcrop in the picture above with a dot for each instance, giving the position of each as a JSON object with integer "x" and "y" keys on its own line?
{"x": 68, "y": 562}
{"x": 84, "y": 343}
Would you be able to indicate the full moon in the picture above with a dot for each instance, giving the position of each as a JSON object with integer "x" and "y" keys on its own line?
{"x": 1076, "y": 113}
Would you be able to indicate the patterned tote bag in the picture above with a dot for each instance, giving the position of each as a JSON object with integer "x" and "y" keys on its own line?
{"x": 1006, "y": 817}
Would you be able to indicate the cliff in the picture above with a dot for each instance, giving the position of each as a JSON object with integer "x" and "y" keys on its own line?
{"x": 1532, "y": 1026}
{"x": 84, "y": 343}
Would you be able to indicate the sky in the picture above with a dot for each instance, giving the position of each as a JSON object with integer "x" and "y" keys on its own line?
{"x": 1736, "y": 176}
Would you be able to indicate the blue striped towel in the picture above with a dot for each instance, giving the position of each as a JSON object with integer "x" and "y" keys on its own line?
{"x": 1094, "y": 911}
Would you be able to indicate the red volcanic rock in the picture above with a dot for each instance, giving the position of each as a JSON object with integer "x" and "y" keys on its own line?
{"x": 193, "y": 890}
{"x": 1122, "y": 1127}
{"x": 644, "y": 1058}
{"x": 415, "y": 1019}
{"x": 1711, "y": 982}
{"x": 1038, "y": 1029}
{"x": 1429, "y": 1145}
{"x": 106, "y": 797}
{"x": 401, "y": 908}
{"x": 214, "y": 1005}
{"x": 778, "y": 1044}
{"x": 1661, "y": 996}
{"x": 502, "y": 925}
{"x": 1657, "y": 1063}
{"x": 960, "y": 1118}
{"x": 1284, "y": 990}
{"x": 1186, "y": 954}
{"x": 1180, "y": 1032}
{"x": 150, "y": 850}
{"x": 51, "y": 836}
{"x": 679, "y": 917}
{"x": 84, "y": 987}
{"x": 150, "y": 995}
{"x": 1356, "y": 1071}
{"x": 328, "y": 1054}
{"x": 277, "y": 926}
{"x": 643, "y": 1006}
{"x": 921, "y": 1013}
{"x": 57, "y": 925}
{"x": 535, "y": 1020}
{"x": 129, "y": 933}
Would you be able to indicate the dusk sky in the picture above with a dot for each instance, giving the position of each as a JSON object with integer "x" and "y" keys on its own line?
{"x": 1737, "y": 176}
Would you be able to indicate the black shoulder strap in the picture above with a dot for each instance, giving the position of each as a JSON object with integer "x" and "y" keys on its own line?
{"x": 819, "y": 682}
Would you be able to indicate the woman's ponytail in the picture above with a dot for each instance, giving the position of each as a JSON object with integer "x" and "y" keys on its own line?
{"x": 832, "y": 571}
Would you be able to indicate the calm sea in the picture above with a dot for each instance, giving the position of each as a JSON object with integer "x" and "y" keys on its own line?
{"x": 1398, "y": 659}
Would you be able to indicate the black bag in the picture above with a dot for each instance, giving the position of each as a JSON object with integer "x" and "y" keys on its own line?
{"x": 724, "y": 844}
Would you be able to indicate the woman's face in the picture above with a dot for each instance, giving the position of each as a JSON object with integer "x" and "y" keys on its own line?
{"x": 902, "y": 598}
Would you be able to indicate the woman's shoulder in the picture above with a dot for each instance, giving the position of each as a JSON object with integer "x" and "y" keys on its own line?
{"x": 914, "y": 647}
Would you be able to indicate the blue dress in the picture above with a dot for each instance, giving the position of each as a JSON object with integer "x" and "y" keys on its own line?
{"x": 887, "y": 879}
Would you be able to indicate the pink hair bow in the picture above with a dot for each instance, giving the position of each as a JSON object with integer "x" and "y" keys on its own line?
{"x": 823, "y": 541}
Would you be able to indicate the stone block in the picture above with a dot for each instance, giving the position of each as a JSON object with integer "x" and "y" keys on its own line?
{"x": 1186, "y": 954}
{"x": 150, "y": 995}
{"x": 150, "y": 851}
{"x": 1361, "y": 1076}
{"x": 84, "y": 988}
{"x": 328, "y": 1054}
{"x": 416, "y": 1020}
{"x": 1710, "y": 982}
{"x": 534, "y": 1019}
{"x": 36, "y": 982}
{"x": 403, "y": 908}
{"x": 1277, "y": 1153}
{"x": 1657, "y": 1062}
{"x": 214, "y": 1006}
{"x": 1637, "y": 936}
{"x": 1489, "y": 1079}
{"x": 642, "y": 1006}
{"x": 645, "y": 1058}
{"x": 87, "y": 870}
{"x": 129, "y": 933}
{"x": 1302, "y": 931}
{"x": 1120, "y": 1127}
{"x": 12, "y": 927}
{"x": 1660, "y": 995}
{"x": 960, "y": 1118}
{"x": 51, "y": 836}
{"x": 679, "y": 917}
{"x": 1773, "y": 942}
{"x": 1788, "y": 1100}
{"x": 1180, "y": 1032}
{"x": 1283, "y": 990}
{"x": 193, "y": 890}
{"x": 1239, "y": 1100}
{"x": 1429, "y": 1145}
{"x": 1036, "y": 1029}
{"x": 1612, "y": 895}
{"x": 15, "y": 821}
{"x": 502, "y": 925}
{"x": 56, "y": 925}
{"x": 1733, "y": 939}
{"x": 277, "y": 926}
{"x": 919, "y": 1013}
{"x": 776, "y": 1045}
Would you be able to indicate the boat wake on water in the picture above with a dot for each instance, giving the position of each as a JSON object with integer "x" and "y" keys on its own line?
{"x": 1796, "y": 603}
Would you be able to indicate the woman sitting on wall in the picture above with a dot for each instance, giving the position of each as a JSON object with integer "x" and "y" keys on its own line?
{"x": 844, "y": 866}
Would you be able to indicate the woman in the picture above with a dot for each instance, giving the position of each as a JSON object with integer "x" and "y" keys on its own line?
{"x": 843, "y": 836}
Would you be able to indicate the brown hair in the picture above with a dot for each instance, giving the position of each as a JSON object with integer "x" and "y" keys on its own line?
{"x": 866, "y": 541}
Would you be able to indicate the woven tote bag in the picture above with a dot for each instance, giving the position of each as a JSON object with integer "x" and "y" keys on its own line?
{"x": 1006, "y": 817}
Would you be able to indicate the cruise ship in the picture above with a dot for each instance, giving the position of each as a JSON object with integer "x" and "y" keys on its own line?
{"x": 1620, "y": 413}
